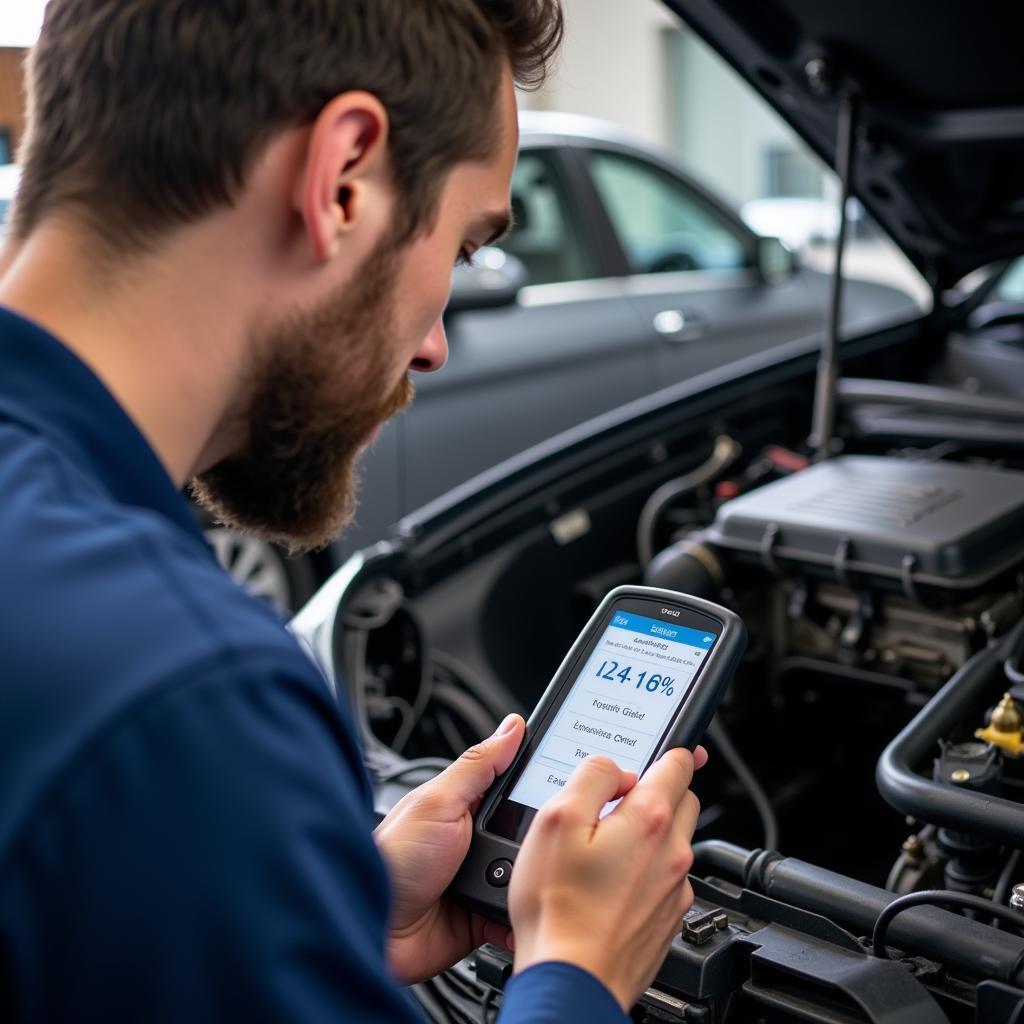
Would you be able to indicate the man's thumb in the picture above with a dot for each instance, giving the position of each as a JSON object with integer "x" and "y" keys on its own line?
{"x": 469, "y": 777}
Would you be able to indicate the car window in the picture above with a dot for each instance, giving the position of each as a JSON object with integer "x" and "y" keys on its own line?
{"x": 546, "y": 234}
{"x": 663, "y": 226}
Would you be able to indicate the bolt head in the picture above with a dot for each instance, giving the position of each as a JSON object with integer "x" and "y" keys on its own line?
{"x": 819, "y": 75}
{"x": 913, "y": 847}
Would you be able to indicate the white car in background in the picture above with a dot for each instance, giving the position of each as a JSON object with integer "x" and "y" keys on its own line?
{"x": 799, "y": 221}
{"x": 8, "y": 186}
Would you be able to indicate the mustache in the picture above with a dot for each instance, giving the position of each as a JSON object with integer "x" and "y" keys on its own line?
{"x": 399, "y": 399}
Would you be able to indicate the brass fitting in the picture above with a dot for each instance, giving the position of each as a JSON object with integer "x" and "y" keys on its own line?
{"x": 1004, "y": 728}
{"x": 1006, "y": 717}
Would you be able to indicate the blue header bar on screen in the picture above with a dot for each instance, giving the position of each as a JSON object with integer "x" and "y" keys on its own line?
{"x": 666, "y": 631}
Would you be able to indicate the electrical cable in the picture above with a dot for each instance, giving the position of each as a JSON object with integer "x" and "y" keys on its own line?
{"x": 450, "y": 731}
{"x": 425, "y": 684}
{"x": 498, "y": 703}
{"x": 720, "y": 739}
{"x": 724, "y": 454}
{"x": 377, "y": 611}
{"x": 355, "y": 673}
{"x": 408, "y": 714}
{"x": 472, "y": 712}
{"x": 937, "y": 898}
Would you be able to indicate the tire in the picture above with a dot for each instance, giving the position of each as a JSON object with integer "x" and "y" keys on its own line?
{"x": 261, "y": 567}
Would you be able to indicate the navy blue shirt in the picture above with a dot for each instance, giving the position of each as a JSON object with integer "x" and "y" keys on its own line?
{"x": 185, "y": 821}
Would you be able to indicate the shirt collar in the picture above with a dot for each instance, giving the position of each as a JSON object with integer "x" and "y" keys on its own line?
{"x": 46, "y": 386}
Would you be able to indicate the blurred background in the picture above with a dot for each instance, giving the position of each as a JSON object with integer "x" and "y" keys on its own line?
{"x": 638, "y": 66}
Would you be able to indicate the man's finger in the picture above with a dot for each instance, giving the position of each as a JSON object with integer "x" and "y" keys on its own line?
{"x": 469, "y": 777}
{"x": 497, "y": 934}
{"x": 596, "y": 780}
{"x": 687, "y": 814}
{"x": 672, "y": 774}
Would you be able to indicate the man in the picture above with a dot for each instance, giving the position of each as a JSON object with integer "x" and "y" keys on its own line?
{"x": 233, "y": 240}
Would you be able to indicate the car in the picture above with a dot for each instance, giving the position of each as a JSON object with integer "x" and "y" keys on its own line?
{"x": 858, "y": 499}
{"x": 799, "y": 222}
{"x": 622, "y": 274}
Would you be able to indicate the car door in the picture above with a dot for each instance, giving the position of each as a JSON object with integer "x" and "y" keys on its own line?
{"x": 693, "y": 269}
{"x": 572, "y": 347}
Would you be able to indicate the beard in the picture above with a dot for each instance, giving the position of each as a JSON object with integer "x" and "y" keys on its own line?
{"x": 317, "y": 396}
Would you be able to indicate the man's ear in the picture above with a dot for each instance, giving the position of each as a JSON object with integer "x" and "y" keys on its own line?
{"x": 345, "y": 163}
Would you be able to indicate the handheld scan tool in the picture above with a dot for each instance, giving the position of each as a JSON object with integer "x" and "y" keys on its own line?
{"x": 646, "y": 673}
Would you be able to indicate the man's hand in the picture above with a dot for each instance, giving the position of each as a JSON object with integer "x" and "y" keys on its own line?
{"x": 608, "y": 895}
{"x": 423, "y": 840}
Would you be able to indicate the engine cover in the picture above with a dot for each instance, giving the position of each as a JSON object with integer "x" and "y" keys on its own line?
{"x": 933, "y": 524}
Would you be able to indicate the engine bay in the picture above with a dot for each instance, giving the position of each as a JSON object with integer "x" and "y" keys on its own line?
{"x": 869, "y": 747}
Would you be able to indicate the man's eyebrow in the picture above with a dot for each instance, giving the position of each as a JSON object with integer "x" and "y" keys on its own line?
{"x": 497, "y": 225}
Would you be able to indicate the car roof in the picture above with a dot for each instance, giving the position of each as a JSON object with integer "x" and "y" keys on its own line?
{"x": 551, "y": 123}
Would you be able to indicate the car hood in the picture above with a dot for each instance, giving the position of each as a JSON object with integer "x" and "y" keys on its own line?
{"x": 939, "y": 154}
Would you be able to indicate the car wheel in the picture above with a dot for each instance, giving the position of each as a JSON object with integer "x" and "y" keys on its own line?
{"x": 262, "y": 568}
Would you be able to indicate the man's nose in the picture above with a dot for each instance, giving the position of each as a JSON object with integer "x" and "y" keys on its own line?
{"x": 433, "y": 353}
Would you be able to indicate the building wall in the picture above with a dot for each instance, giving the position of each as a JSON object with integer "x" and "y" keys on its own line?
{"x": 633, "y": 62}
{"x": 612, "y": 66}
{"x": 719, "y": 124}
{"x": 12, "y": 119}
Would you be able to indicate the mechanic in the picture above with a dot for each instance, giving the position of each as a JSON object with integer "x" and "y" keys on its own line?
{"x": 232, "y": 242}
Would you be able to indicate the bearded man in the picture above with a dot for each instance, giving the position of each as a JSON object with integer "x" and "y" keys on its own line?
{"x": 232, "y": 243}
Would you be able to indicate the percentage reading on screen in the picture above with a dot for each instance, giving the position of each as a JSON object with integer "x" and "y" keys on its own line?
{"x": 653, "y": 683}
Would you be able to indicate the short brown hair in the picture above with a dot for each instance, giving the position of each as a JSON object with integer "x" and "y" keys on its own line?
{"x": 146, "y": 114}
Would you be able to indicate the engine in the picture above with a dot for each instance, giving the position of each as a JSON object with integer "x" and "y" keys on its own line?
{"x": 878, "y": 563}
{"x": 872, "y": 746}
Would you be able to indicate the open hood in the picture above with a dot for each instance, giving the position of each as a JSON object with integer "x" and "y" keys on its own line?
{"x": 939, "y": 153}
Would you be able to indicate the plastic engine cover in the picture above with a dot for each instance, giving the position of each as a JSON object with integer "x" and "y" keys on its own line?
{"x": 934, "y": 524}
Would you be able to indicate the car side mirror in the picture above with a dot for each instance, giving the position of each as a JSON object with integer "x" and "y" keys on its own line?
{"x": 494, "y": 280}
{"x": 775, "y": 259}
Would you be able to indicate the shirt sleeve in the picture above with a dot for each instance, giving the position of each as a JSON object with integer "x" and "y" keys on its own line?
{"x": 209, "y": 859}
{"x": 555, "y": 992}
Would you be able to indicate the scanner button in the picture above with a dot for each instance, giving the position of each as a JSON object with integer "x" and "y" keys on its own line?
{"x": 498, "y": 873}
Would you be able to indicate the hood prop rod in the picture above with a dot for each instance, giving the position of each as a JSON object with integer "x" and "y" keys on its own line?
{"x": 825, "y": 398}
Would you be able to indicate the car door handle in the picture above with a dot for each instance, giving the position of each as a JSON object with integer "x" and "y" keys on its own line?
{"x": 676, "y": 325}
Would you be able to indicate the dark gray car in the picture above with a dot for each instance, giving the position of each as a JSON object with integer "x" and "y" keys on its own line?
{"x": 634, "y": 277}
{"x": 623, "y": 275}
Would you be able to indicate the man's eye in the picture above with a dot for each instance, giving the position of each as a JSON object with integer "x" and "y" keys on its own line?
{"x": 465, "y": 258}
